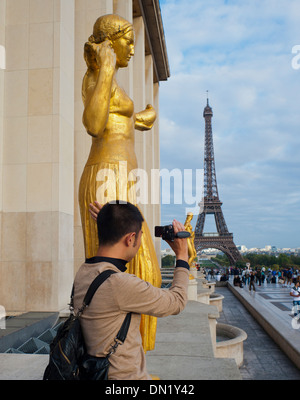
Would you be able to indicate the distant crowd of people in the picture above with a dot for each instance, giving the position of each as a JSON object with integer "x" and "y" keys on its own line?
{"x": 217, "y": 274}
{"x": 285, "y": 277}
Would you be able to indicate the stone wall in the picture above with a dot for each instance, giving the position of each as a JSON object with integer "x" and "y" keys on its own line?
{"x": 43, "y": 144}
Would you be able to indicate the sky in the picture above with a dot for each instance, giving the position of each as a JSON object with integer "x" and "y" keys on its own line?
{"x": 246, "y": 53}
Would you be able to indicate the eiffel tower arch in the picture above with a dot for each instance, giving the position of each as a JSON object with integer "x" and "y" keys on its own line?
{"x": 211, "y": 204}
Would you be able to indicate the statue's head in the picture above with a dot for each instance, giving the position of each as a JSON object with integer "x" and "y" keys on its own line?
{"x": 110, "y": 27}
{"x": 120, "y": 34}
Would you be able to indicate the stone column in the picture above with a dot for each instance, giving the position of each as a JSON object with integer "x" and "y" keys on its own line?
{"x": 139, "y": 94}
{"x": 125, "y": 75}
{"x": 2, "y": 72}
{"x": 155, "y": 185}
{"x": 38, "y": 145}
{"x": 149, "y": 139}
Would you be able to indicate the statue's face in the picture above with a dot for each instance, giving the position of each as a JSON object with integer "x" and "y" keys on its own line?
{"x": 124, "y": 49}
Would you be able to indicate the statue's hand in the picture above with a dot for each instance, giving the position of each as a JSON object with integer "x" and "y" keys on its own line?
{"x": 144, "y": 120}
{"x": 105, "y": 55}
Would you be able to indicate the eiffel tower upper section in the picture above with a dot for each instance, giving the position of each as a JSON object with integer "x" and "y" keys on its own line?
{"x": 210, "y": 179}
{"x": 211, "y": 204}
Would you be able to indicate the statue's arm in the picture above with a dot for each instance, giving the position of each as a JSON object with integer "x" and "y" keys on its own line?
{"x": 97, "y": 96}
{"x": 144, "y": 120}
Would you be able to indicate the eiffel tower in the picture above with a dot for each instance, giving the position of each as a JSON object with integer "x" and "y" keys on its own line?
{"x": 211, "y": 204}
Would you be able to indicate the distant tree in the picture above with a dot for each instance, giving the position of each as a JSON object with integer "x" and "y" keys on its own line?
{"x": 272, "y": 260}
{"x": 268, "y": 261}
{"x": 241, "y": 264}
{"x": 295, "y": 260}
{"x": 283, "y": 260}
{"x": 221, "y": 259}
{"x": 168, "y": 261}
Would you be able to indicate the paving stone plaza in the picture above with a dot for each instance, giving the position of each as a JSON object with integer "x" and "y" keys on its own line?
{"x": 263, "y": 359}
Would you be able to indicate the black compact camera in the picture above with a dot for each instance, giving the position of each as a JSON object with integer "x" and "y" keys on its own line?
{"x": 167, "y": 233}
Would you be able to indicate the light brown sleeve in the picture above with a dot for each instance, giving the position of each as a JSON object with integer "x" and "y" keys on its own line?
{"x": 135, "y": 295}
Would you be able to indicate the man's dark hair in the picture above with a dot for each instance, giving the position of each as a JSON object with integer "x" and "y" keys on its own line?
{"x": 116, "y": 219}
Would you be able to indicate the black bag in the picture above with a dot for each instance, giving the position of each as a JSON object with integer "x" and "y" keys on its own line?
{"x": 68, "y": 359}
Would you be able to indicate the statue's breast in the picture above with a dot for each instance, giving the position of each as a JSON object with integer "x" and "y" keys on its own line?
{"x": 120, "y": 103}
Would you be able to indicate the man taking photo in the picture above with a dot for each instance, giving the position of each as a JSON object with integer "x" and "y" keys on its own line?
{"x": 120, "y": 232}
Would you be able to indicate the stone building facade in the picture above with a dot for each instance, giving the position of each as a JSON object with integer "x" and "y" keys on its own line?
{"x": 43, "y": 144}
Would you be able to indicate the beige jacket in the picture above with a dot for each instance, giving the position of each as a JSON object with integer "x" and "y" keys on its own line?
{"x": 119, "y": 294}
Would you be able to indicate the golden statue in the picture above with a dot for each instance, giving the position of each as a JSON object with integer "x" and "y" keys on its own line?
{"x": 191, "y": 247}
{"x": 110, "y": 119}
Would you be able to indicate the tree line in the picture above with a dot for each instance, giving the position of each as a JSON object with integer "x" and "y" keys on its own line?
{"x": 262, "y": 260}
{"x": 283, "y": 260}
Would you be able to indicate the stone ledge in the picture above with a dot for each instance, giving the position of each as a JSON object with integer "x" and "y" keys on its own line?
{"x": 26, "y": 367}
{"x": 193, "y": 368}
{"x": 185, "y": 350}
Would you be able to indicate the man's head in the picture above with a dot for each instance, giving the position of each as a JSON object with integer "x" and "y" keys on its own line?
{"x": 117, "y": 222}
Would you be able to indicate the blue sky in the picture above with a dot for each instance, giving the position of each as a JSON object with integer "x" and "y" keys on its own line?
{"x": 241, "y": 52}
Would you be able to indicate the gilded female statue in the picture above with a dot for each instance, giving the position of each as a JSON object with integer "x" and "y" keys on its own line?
{"x": 110, "y": 120}
{"x": 191, "y": 247}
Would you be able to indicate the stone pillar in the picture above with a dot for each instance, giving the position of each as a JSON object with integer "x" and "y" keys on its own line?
{"x": 147, "y": 143}
{"x": 192, "y": 289}
{"x": 139, "y": 94}
{"x": 38, "y": 144}
{"x": 149, "y": 139}
{"x": 125, "y": 75}
{"x": 213, "y": 331}
{"x": 155, "y": 184}
{"x": 2, "y": 72}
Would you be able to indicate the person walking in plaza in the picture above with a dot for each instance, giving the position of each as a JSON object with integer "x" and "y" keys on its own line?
{"x": 295, "y": 293}
{"x": 251, "y": 284}
{"x": 247, "y": 276}
{"x": 263, "y": 275}
{"x": 290, "y": 277}
{"x": 243, "y": 277}
{"x": 258, "y": 277}
{"x": 285, "y": 278}
{"x": 269, "y": 277}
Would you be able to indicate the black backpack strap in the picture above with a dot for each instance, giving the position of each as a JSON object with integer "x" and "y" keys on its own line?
{"x": 71, "y": 305}
{"x": 124, "y": 328}
{"x": 121, "y": 336}
{"x": 91, "y": 290}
